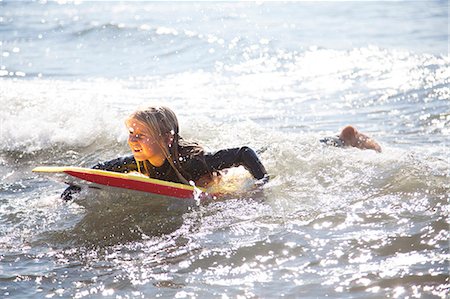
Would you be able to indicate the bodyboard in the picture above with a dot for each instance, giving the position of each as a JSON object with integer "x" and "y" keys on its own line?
{"x": 130, "y": 181}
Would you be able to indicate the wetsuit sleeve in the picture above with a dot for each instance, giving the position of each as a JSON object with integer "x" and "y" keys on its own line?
{"x": 122, "y": 164}
{"x": 333, "y": 141}
{"x": 233, "y": 157}
{"x": 69, "y": 192}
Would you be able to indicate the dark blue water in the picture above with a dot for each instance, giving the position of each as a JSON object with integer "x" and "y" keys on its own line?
{"x": 122, "y": 39}
{"x": 339, "y": 223}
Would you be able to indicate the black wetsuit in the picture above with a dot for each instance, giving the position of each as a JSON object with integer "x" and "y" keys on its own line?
{"x": 333, "y": 141}
{"x": 194, "y": 167}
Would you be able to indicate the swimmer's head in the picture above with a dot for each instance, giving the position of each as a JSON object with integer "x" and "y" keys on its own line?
{"x": 351, "y": 137}
{"x": 153, "y": 131}
{"x": 348, "y": 136}
{"x": 160, "y": 121}
{"x": 160, "y": 124}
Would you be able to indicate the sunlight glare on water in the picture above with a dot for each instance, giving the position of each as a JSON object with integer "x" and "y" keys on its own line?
{"x": 331, "y": 222}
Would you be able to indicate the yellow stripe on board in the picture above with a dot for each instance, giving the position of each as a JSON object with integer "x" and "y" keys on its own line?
{"x": 126, "y": 176}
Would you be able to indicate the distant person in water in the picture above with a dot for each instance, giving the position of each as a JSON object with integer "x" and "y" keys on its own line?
{"x": 349, "y": 136}
{"x": 160, "y": 152}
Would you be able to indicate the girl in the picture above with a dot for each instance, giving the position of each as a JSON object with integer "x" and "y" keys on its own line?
{"x": 161, "y": 153}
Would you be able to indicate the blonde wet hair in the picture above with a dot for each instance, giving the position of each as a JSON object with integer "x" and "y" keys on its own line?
{"x": 162, "y": 125}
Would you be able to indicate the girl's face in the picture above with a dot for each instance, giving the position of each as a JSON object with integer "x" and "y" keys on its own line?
{"x": 142, "y": 144}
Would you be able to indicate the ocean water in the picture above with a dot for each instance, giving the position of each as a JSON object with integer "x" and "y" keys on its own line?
{"x": 336, "y": 223}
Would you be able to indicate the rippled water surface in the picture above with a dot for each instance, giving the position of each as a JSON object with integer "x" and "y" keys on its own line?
{"x": 338, "y": 223}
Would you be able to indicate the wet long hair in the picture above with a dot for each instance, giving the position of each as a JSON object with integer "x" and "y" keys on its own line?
{"x": 162, "y": 125}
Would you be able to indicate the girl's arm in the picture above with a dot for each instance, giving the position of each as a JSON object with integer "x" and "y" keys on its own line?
{"x": 122, "y": 164}
{"x": 233, "y": 157}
